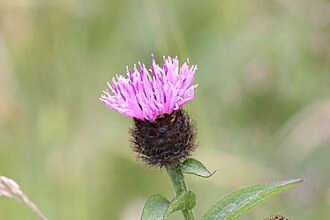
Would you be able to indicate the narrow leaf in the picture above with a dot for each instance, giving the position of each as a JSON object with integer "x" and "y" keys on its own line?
{"x": 155, "y": 208}
{"x": 236, "y": 203}
{"x": 193, "y": 166}
{"x": 185, "y": 201}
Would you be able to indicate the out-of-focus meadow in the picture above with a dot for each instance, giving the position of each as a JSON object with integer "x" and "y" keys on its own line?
{"x": 262, "y": 107}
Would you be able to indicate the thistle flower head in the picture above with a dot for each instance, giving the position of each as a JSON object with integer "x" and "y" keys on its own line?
{"x": 162, "y": 134}
{"x": 147, "y": 94}
{"x": 277, "y": 217}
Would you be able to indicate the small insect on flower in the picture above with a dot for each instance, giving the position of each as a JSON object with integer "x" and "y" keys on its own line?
{"x": 162, "y": 134}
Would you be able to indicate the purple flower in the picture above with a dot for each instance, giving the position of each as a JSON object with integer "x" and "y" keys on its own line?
{"x": 146, "y": 95}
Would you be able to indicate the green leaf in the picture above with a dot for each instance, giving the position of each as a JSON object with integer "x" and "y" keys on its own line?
{"x": 158, "y": 207}
{"x": 155, "y": 208}
{"x": 185, "y": 201}
{"x": 236, "y": 203}
{"x": 193, "y": 166}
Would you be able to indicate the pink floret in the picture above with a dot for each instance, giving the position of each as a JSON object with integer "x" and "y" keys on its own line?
{"x": 147, "y": 94}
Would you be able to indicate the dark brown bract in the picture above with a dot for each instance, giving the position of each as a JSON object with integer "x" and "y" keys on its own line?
{"x": 277, "y": 217}
{"x": 167, "y": 141}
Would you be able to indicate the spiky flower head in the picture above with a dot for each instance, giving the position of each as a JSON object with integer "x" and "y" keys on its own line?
{"x": 162, "y": 134}
{"x": 277, "y": 217}
{"x": 147, "y": 94}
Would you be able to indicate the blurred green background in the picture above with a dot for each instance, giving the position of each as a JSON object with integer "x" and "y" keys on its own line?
{"x": 262, "y": 107}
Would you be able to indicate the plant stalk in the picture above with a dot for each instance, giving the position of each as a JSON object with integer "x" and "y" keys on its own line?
{"x": 179, "y": 185}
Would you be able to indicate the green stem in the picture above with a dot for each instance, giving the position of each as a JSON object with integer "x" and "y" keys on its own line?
{"x": 179, "y": 185}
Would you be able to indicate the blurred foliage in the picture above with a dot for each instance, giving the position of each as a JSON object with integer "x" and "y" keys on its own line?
{"x": 262, "y": 107}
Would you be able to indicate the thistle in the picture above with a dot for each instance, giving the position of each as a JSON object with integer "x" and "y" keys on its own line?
{"x": 277, "y": 217}
{"x": 163, "y": 135}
